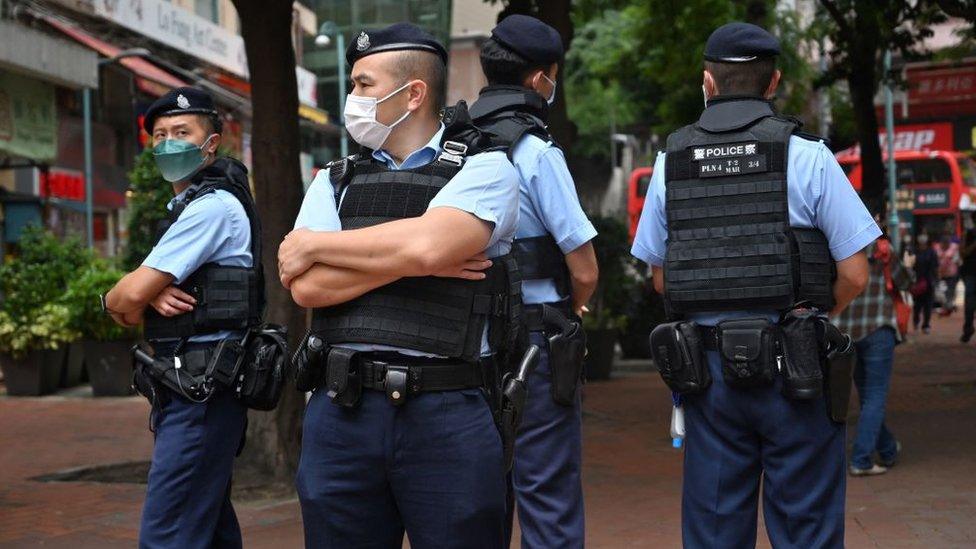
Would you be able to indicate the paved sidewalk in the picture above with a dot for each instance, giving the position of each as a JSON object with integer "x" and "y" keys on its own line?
{"x": 632, "y": 475}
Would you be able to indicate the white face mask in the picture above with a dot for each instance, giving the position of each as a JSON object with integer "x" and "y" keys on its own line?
{"x": 552, "y": 96}
{"x": 705, "y": 95}
{"x": 361, "y": 123}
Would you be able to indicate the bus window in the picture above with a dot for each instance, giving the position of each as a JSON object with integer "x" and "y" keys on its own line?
{"x": 968, "y": 171}
{"x": 642, "y": 185}
{"x": 929, "y": 170}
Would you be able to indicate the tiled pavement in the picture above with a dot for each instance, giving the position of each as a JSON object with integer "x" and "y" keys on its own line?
{"x": 632, "y": 475}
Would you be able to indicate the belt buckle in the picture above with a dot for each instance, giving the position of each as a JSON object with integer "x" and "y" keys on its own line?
{"x": 396, "y": 384}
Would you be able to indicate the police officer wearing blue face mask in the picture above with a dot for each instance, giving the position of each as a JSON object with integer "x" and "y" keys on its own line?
{"x": 755, "y": 236}
{"x": 402, "y": 252}
{"x": 559, "y": 270}
{"x": 207, "y": 247}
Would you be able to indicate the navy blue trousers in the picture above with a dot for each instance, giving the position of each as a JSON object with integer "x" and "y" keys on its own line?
{"x": 737, "y": 438}
{"x": 188, "y": 497}
{"x": 547, "y": 476}
{"x": 431, "y": 467}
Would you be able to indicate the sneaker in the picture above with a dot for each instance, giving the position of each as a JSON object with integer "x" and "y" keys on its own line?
{"x": 888, "y": 464}
{"x": 870, "y": 472}
{"x": 967, "y": 335}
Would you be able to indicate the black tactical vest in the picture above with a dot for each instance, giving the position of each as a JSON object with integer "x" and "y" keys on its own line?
{"x": 506, "y": 114}
{"x": 440, "y": 316}
{"x": 730, "y": 244}
{"x": 228, "y": 298}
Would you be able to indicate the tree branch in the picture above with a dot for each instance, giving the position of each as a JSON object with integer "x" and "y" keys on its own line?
{"x": 842, "y": 26}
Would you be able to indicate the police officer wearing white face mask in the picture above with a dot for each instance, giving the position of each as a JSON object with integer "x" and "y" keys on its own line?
{"x": 401, "y": 252}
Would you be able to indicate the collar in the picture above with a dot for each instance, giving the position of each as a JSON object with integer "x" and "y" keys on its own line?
{"x": 493, "y": 99}
{"x": 419, "y": 157}
{"x": 734, "y": 112}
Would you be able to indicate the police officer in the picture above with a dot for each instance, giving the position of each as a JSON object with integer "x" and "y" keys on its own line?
{"x": 209, "y": 236}
{"x": 559, "y": 271}
{"x": 398, "y": 433}
{"x": 732, "y": 196}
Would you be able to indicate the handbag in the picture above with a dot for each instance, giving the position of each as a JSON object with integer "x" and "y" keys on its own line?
{"x": 920, "y": 287}
{"x": 898, "y": 279}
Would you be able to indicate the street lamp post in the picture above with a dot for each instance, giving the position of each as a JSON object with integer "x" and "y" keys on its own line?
{"x": 87, "y": 130}
{"x": 324, "y": 38}
{"x": 890, "y": 138}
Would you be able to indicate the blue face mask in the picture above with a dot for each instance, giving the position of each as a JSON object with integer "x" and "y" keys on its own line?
{"x": 178, "y": 160}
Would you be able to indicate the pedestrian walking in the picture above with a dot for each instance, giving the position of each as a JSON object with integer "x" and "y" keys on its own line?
{"x": 926, "y": 265}
{"x": 947, "y": 250}
{"x": 745, "y": 348}
{"x": 402, "y": 252}
{"x": 555, "y": 255}
{"x": 872, "y": 323}
{"x": 967, "y": 271}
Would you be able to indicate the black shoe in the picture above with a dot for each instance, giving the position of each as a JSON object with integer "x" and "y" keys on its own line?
{"x": 967, "y": 335}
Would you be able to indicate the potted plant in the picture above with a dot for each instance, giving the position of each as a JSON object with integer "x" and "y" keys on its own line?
{"x": 106, "y": 344}
{"x": 31, "y": 284}
{"x": 32, "y": 348}
{"x": 611, "y": 298}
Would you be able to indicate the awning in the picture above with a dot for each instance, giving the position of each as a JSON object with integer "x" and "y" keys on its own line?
{"x": 149, "y": 78}
{"x": 313, "y": 114}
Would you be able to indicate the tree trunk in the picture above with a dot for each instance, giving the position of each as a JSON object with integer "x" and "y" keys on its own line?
{"x": 274, "y": 438}
{"x": 862, "y": 84}
{"x": 555, "y": 13}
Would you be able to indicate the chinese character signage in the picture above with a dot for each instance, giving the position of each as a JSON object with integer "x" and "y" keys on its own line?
{"x": 28, "y": 117}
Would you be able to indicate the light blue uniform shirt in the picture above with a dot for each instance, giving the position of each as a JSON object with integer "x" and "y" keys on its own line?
{"x": 212, "y": 229}
{"x": 486, "y": 187}
{"x": 820, "y": 196}
{"x": 548, "y": 203}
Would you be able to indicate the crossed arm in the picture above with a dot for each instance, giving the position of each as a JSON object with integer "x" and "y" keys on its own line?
{"x": 145, "y": 286}
{"x": 326, "y": 268}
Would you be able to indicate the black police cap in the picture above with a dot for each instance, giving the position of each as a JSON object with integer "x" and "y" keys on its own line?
{"x": 740, "y": 43}
{"x": 185, "y": 100}
{"x": 530, "y": 38}
{"x": 396, "y": 37}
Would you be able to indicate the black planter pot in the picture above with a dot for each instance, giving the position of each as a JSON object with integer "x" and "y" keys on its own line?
{"x": 109, "y": 365}
{"x": 600, "y": 346}
{"x": 35, "y": 374}
{"x": 73, "y": 365}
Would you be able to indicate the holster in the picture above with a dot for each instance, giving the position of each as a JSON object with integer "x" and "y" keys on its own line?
{"x": 567, "y": 349}
{"x": 804, "y": 355}
{"x": 839, "y": 372}
{"x": 146, "y": 385}
{"x": 513, "y": 396}
{"x": 185, "y": 374}
{"x": 749, "y": 349}
{"x": 342, "y": 380}
{"x": 679, "y": 355}
{"x": 308, "y": 363}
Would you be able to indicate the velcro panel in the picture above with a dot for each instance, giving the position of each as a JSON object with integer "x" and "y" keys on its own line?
{"x": 817, "y": 269}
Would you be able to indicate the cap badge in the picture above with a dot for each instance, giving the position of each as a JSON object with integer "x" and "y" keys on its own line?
{"x": 182, "y": 102}
{"x": 362, "y": 43}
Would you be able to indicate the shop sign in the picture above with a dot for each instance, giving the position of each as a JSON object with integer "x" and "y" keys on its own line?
{"x": 178, "y": 28}
{"x": 28, "y": 117}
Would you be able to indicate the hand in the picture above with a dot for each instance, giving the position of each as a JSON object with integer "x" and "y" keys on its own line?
{"x": 470, "y": 269}
{"x": 173, "y": 301}
{"x": 293, "y": 256}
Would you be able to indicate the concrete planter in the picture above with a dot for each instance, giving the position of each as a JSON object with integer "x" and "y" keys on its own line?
{"x": 109, "y": 365}
{"x": 34, "y": 374}
{"x": 74, "y": 365}
{"x": 600, "y": 346}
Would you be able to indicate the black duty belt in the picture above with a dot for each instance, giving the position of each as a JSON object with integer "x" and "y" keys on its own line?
{"x": 533, "y": 314}
{"x": 418, "y": 375}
